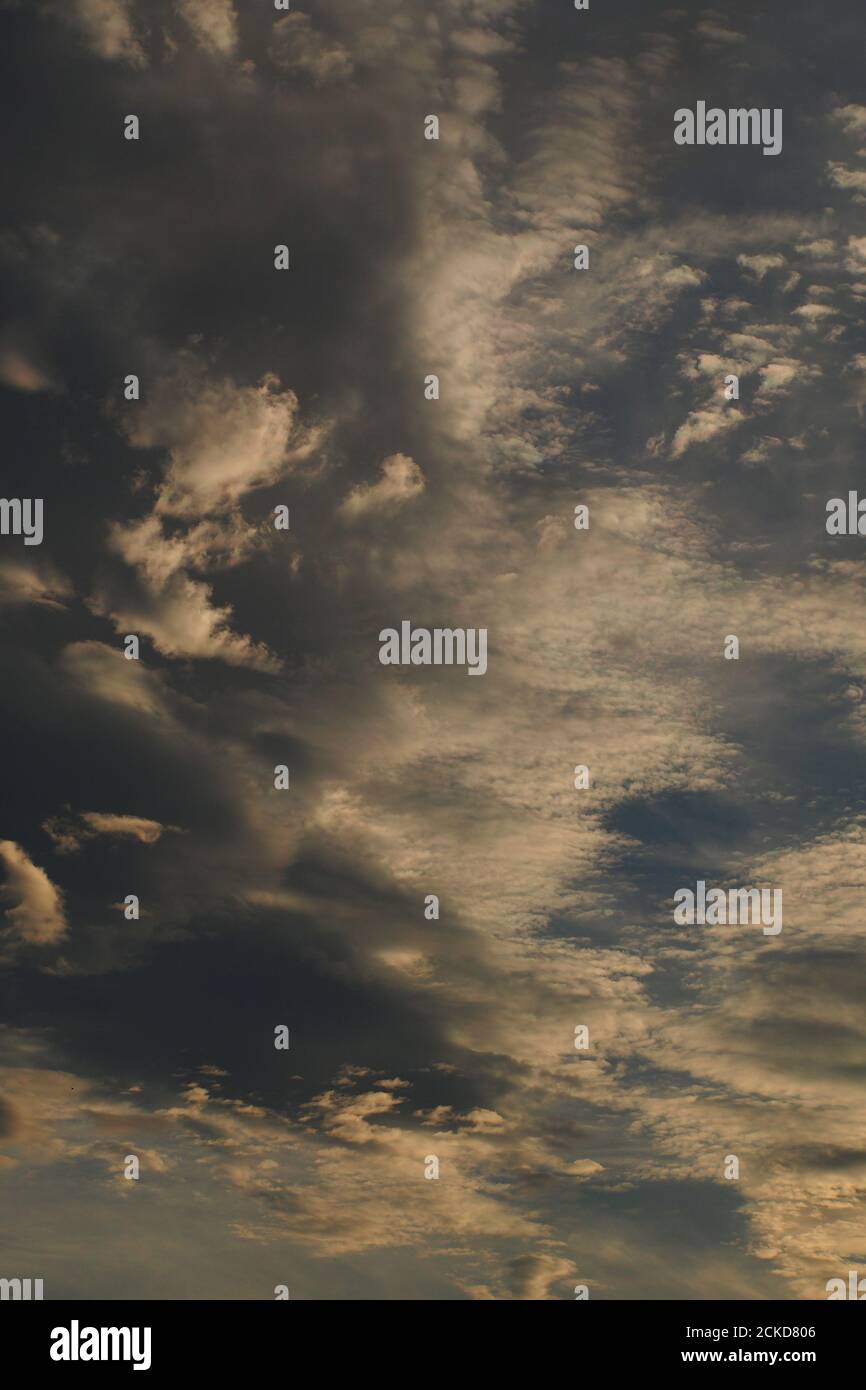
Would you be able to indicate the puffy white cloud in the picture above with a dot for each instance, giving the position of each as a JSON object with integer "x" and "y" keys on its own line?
{"x": 852, "y": 117}
{"x": 401, "y": 481}
{"x": 222, "y": 440}
{"x": 181, "y": 619}
{"x": 760, "y": 265}
{"x": 213, "y": 22}
{"x": 38, "y": 916}
{"x": 854, "y": 180}
{"x": 855, "y": 259}
{"x": 107, "y": 26}
{"x": 705, "y": 424}
{"x": 174, "y": 610}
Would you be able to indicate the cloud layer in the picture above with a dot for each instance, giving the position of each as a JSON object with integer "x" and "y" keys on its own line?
{"x": 301, "y": 397}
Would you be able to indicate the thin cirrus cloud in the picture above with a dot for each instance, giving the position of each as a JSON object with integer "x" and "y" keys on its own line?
{"x": 70, "y": 833}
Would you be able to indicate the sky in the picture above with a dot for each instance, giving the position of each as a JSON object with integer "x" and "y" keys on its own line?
{"x": 709, "y": 1141}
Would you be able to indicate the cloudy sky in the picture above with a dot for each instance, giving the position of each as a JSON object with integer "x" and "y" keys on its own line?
{"x": 412, "y": 1036}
